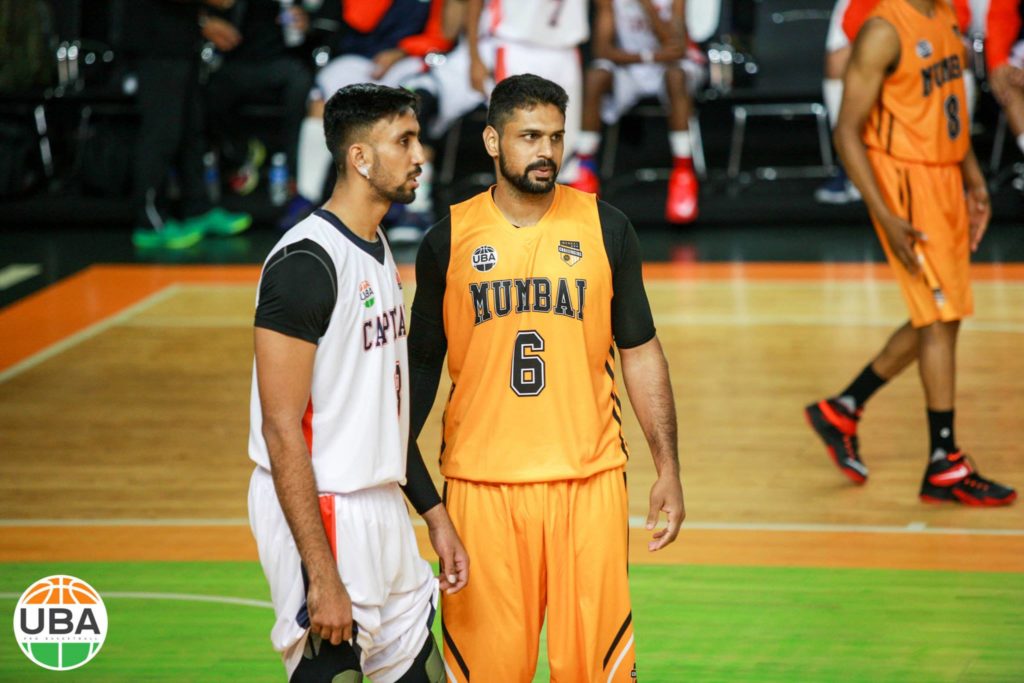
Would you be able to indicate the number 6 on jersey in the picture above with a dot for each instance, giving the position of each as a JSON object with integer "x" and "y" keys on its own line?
{"x": 527, "y": 368}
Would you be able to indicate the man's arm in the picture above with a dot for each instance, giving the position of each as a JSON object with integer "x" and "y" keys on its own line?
{"x": 284, "y": 371}
{"x": 427, "y": 347}
{"x": 605, "y": 45}
{"x": 979, "y": 211}
{"x": 644, "y": 369}
{"x": 645, "y": 373}
{"x": 875, "y": 52}
{"x": 671, "y": 32}
{"x": 477, "y": 70}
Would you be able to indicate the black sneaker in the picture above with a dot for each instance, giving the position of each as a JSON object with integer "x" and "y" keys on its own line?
{"x": 837, "y": 427}
{"x": 952, "y": 478}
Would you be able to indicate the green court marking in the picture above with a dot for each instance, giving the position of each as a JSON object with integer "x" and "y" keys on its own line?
{"x": 702, "y": 624}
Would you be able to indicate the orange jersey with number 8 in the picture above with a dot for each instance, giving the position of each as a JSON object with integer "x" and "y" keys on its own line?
{"x": 921, "y": 113}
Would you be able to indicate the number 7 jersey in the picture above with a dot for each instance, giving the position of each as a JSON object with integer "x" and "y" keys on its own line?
{"x": 921, "y": 113}
{"x": 530, "y": 322}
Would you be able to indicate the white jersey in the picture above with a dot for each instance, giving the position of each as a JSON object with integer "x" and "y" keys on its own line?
{"x": 550, "y": 23}
{"x": 633, "y": 30}
{"x": 356, "y": 424}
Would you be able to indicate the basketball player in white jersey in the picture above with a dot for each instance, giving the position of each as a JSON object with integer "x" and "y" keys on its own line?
{"x": 329, "y": 422}
{"x": 642, "y": 49}
{"x": 540, "y": 37}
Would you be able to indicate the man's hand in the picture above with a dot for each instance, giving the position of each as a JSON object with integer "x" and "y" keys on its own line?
{"x": 384, "y": 60}
{"x": 451, "y": 555}
{"x": 901, "y": 237}
{"x": 667, "y": 497}
{"x": 478, "y": 75}
{"x": 672, "y": 51}
{"x": 222, "y": 33}
{"x": 979, "y": 211}
{"x": 330, "y": 608}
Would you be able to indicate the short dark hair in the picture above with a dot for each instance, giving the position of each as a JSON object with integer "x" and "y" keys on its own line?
{"x": 353, "y": 110}
{"x": 523, "y": 92}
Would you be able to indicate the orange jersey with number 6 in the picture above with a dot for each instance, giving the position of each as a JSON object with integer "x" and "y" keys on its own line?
{"x": 921, "y": 113}
{"x": 527, "y": 312}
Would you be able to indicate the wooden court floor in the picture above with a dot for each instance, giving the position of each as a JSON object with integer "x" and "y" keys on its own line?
{"x": 124, "y": 394}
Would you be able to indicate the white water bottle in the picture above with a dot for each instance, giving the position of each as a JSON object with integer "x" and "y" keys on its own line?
{"x": 278, "y": 177}
{"x": 292, "y": 35}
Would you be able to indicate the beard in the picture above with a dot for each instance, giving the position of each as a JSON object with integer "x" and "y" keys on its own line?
{"x": 395, "y": 195}
{"x": 523, "y": 182}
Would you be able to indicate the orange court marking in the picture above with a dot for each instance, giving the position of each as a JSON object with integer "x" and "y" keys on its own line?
{"x": 815, "y": 549}
{"x": 42, "y": 319}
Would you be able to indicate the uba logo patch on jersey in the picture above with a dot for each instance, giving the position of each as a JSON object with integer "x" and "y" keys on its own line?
{"x": 485, "y": 258}
{"x": 923, "y": 49}
{"x": 366, "y": 294}
{"x": 570, "y": 252}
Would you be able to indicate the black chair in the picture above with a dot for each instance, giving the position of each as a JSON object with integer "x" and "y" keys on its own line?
{"x": 789, "y": 51}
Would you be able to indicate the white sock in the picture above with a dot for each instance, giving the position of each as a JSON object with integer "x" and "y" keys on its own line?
{"x": 1020, "y": 142}
{"x": 832, "y": 91}
{"x": 314, "y": 159}
{"x": 679, "y": 141}
{"x": 588, "y": 143}
{"x": 423, "y": 202}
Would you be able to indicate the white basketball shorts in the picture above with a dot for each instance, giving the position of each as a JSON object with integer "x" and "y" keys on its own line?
{"x": 393, "y": 590}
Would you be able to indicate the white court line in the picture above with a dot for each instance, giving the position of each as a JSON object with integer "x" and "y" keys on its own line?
{"x": 635, "y": 522}
{"x": 822, "y": 284}
{"x": 713, "y": 320}
{"x": 18, "y": 272}
{"x": 179, "y": 597}
{"x": 89, "y": 332}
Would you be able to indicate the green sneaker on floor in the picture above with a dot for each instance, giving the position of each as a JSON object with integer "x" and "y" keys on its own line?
{"x": 219, "y": 222}
{"x": 173, "y": 235}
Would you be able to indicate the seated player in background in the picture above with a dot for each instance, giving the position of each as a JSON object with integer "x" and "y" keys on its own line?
{"x": 260, "y": 65}
{"x": 904, "y": 135}
{"x": 1004, "y": 55}
{"x": 847, "y": 18}
{"x": 641, "y": 49}
{"x": 382, "y": 42}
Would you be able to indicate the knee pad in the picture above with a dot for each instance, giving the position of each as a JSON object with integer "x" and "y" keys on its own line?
{"x": 323, "y": 662}
{"x": 428, "y": 667}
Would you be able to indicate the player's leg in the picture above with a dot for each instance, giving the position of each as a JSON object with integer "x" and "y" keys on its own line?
{"x": 491, "y": 628}
{"x": 681, "y": 204}
{"x": 590, "y": 621}
{"x": 835, "y": 418}
{"x": 839, "y": 189}
{"x": 1007, "y": 83}
{"x": 394, "y": 634}
{"x": 597, "y": 84}
{"x": 428, "y": 667}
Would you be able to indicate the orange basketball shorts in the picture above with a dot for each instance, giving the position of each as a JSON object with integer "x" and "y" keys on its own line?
{"x": 931, "y": 198}
{"x": 554, "y": 546}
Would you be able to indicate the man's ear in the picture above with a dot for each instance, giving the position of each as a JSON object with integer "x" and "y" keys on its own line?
{"x": 491, "y": 141}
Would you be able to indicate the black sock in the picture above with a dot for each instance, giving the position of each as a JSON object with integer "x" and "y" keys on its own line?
{"x": 861, "y": 389}
{"x": 940, "y": 427}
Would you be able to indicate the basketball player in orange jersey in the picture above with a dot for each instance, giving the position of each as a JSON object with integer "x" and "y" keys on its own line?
{"x": 844, "y": 24}
{"x": 530, "y": 286}
{"x": 903, "y": 134}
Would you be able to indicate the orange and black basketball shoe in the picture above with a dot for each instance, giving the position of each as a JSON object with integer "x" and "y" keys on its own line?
{"x": 952, "y": 477}
{"x": 837, "y": 427}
